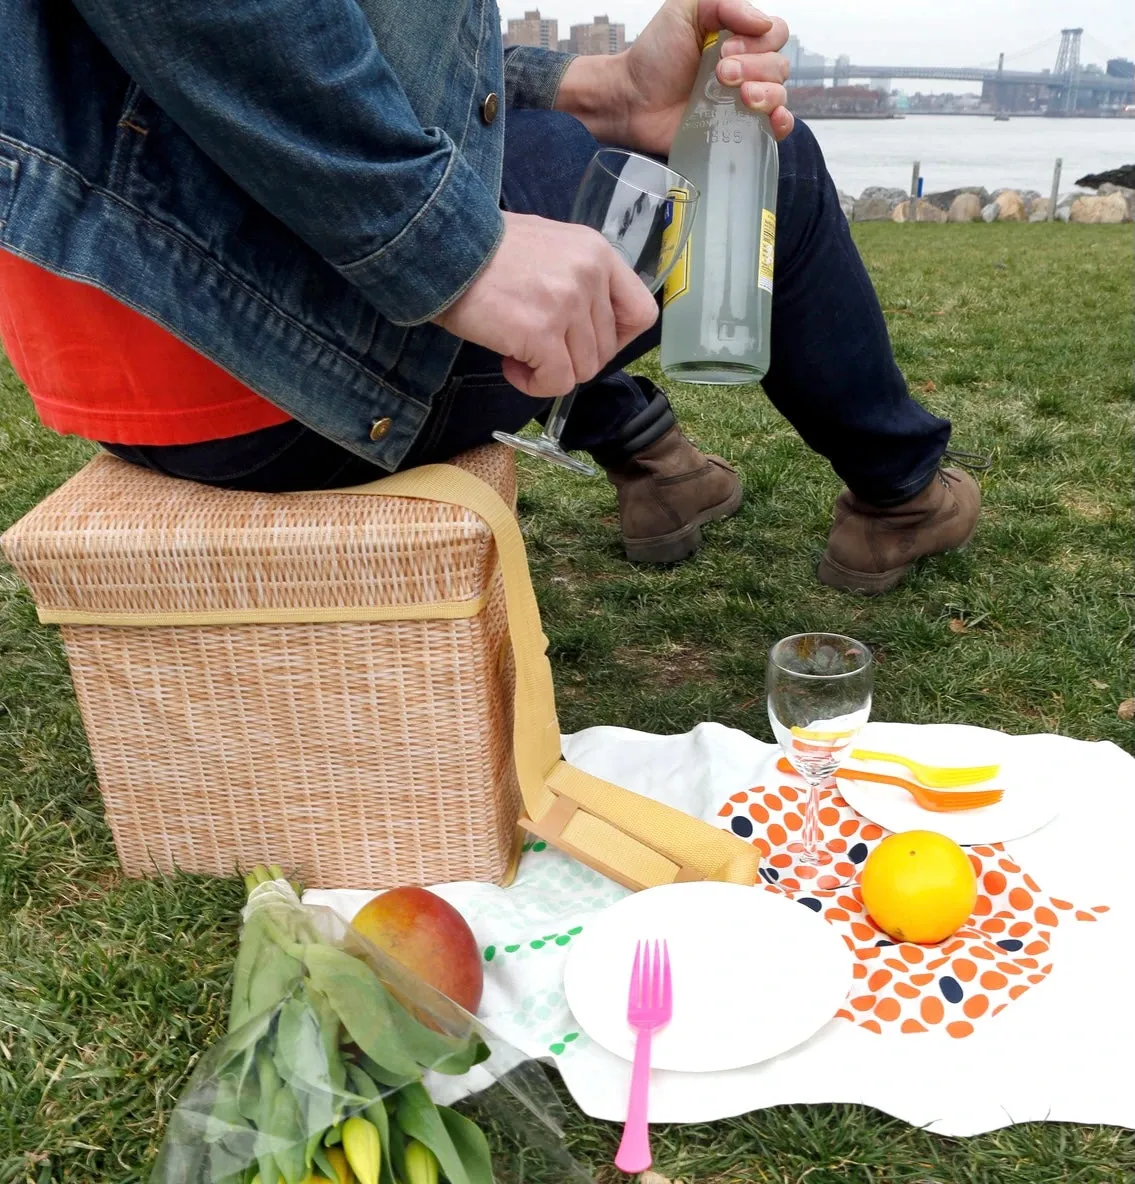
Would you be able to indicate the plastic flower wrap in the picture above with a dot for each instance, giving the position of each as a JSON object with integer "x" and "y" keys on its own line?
{"x": 334, "y": 1057}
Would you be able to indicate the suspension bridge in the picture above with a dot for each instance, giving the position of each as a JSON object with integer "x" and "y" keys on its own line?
{"x": 1068, "y": 86}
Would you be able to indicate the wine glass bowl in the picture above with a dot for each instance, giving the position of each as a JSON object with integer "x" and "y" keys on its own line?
{"x": 644, "y": 209}
{"x": 819, "y": 689}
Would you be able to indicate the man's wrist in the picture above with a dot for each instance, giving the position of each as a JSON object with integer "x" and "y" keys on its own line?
{"x": 595, "y": 88}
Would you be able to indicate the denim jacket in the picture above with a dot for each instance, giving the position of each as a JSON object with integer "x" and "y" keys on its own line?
{"x": 293, "y": 187}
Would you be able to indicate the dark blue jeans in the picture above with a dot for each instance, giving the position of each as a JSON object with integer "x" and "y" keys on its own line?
{"x": 832, "y": 375}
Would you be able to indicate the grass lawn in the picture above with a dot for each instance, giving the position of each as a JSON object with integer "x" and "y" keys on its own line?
{"x": 110, "y": 988}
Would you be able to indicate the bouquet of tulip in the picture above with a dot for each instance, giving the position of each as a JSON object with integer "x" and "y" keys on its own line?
{"x": 322, "y": 1076}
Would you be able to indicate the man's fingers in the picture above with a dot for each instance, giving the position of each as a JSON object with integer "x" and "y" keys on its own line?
{"x": 782, "y": 121}
{"x": 603, "y": 324}
{"x": 633, "y": 306}
{"x": 582, "y": 349}
{"x": 743, "y": 20}
{"x": 518, "y": 374}
{"x": 547, "y": 376}
{"x": 738, "y": 16}
{"x": 751, "y": 66}
{"x": 553, "y": 374}
{"x": 763, "y": 97}
{"x": 771, "y": 42}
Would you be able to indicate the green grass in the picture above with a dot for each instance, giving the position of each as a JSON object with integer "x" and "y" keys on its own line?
{"x": 110, "y": 988}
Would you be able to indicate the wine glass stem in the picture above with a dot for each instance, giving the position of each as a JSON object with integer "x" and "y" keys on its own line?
{"x": 557, "y": 416}
{"x": 810, "y": 835}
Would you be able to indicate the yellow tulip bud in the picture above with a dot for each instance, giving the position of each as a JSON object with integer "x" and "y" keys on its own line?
{"x": 361, "y": 1146}
{"x": 338, "y": 1160}
{"x": 421, "y": 1164}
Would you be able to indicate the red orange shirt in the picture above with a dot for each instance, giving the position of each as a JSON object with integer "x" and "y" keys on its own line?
{"x": 96, "y": 368}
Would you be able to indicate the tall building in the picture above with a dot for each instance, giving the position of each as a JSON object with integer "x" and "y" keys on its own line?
{"x": 798, "y": 59}
{"x": 601, "y": 36}
{"x": 532, "y": 29}
{"x": 791, "y": 51}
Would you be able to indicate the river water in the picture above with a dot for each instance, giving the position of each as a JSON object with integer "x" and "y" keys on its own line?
{"x": 959, "y": 150}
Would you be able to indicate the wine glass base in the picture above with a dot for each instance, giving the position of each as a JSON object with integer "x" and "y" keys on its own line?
{"x": 545, "y": 449}
{"x": 821, "y": 870}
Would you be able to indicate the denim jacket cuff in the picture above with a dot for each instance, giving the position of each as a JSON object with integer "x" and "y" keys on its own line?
{"x": 532, "y": 76}
{"x": 438, "y": 254}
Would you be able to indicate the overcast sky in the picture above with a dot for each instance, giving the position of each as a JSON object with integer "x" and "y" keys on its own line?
{"x": 885, "y": 32}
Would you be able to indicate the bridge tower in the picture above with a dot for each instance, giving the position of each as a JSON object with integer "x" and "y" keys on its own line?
{"x": 1068, "y": 65}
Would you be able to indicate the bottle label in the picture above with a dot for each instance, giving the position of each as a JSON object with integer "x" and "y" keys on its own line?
{"x": 767, "y": 252}
{"x": 678, "y": 279}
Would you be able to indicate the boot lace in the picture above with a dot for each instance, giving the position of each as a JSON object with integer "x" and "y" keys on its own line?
{"x": 976, "y": 462}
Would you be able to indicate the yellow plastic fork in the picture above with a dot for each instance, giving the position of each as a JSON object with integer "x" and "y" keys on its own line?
{"x": 935, "y": 776}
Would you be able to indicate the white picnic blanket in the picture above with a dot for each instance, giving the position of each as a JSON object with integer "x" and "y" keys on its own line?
{"x": 1027, "y": 1015}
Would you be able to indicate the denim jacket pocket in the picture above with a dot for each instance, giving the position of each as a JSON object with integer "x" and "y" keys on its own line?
{"x": 130, "y": 134}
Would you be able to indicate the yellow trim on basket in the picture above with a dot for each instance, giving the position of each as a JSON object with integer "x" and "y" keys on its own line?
{"x": 441, "y": 610}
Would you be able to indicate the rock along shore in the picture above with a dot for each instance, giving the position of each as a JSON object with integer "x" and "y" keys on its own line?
{"x": 1110, "y": 203}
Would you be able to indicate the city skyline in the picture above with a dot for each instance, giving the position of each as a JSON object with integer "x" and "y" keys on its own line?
{"x": 883, "y": 31}
{"x": 600, "y": 36}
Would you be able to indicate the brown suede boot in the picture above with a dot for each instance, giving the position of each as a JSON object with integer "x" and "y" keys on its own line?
{"x": 871, "y": 548}
{"x": 667, "y": 488}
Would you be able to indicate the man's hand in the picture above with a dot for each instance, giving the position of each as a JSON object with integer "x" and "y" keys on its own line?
{"x": 637, "y": 98}
{"x": 555, "y": 301}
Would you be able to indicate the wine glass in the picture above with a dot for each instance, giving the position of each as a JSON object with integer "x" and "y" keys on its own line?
{"x": 819, "y": 697}
{"x": 644, "y": 209}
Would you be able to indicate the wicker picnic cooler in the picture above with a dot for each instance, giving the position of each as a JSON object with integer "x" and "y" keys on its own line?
{"x": 346, "y": 711}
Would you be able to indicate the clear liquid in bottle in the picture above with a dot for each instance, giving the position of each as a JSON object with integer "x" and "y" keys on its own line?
{"x": 717, "y": 301}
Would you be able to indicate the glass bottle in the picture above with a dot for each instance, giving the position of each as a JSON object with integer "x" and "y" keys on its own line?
{"x": 717, "y": 303}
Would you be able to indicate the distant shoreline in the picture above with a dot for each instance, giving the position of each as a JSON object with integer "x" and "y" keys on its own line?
{"x": 1022, "y": 114}
{"x": 968, "y": 115}
{"x": 850, "y": 115}
{"x": 872, "y": 115}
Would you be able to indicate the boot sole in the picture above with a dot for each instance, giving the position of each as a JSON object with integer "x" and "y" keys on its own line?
{"x": 872, "y": 583}
{"x": 682, "y": 543}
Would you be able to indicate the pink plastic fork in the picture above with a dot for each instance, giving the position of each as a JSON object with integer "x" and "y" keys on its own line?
{"x": 649, "y": 1007}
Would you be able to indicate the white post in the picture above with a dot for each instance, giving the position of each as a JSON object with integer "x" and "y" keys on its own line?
{"x": 912, "y": 206}
{"x": 1055, "y": 188}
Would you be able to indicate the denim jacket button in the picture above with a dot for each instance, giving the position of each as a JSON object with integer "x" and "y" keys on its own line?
{"x": 380, "y": 429}
{"x": 490, "y": 107}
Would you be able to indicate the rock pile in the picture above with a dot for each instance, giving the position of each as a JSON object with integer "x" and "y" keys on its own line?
{"x": 1123, "y": 177}
{"x": 1111, "y": 203}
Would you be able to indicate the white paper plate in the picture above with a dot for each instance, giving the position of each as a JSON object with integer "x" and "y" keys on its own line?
{"x": 754, "y": 974}
{"x": 1031, "y": 790}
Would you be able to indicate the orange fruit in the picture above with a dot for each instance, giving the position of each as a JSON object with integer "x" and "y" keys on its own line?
{"x": 918, "y": 886}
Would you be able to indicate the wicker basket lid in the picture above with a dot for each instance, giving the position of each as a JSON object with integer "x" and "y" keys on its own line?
{"x": 117, "y": 538}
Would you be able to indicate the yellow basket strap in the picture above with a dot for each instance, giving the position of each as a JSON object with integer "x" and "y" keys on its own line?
{"x": 632, "y": 839}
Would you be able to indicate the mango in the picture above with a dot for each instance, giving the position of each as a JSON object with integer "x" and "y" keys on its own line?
{"x": 429, "y": 937}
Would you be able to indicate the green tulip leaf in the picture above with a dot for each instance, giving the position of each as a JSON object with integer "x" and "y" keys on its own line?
{"x": 471, "y": 1145}
{"x": 363, "y": 1005}
{"x": 418, "y": 1118}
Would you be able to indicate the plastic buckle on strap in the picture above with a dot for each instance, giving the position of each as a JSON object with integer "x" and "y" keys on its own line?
{"x": 554, "y": 823}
